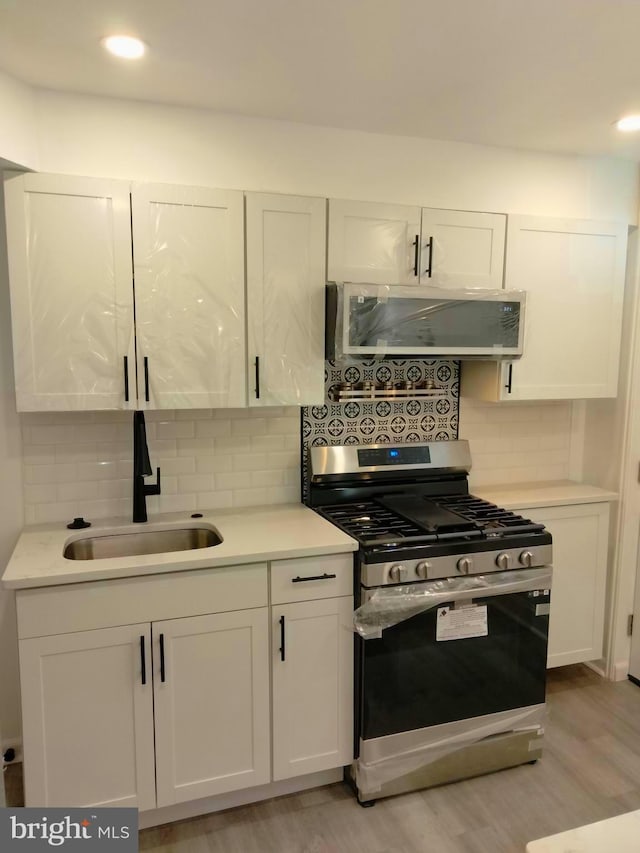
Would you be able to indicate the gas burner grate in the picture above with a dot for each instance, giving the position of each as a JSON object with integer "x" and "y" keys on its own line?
{"x": 369, "y": 521}
{"x": 492, "y": 519}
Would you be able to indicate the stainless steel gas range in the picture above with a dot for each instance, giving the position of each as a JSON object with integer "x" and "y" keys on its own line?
{"x": 452, "y": 615}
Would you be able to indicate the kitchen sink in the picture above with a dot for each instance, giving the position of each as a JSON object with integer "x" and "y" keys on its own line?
{"x": 134, "y": 544}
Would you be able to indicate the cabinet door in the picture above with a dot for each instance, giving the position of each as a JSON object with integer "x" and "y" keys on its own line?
{"x": 69, "y": 250}
{"x": 576, "y": 624}
{"x": 373, "y": 243}
{"x": 312, "y": 686}
{"x": 573, "y": 272}
{"x": 211, "y": 704}
{"x": 286, "y": 250}
{"x": 87, "y": 713}
{"x": 461, "y": 249}
{"x": 188, "y": 251}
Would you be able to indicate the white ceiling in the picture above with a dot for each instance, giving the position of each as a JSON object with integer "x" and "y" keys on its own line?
{"x": 540, "y": 74}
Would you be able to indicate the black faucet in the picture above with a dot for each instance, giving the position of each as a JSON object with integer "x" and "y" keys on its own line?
{"x": 141, "y": 469}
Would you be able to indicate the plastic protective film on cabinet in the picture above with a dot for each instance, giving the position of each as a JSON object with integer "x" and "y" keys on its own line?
{"x": 393, "y": 321}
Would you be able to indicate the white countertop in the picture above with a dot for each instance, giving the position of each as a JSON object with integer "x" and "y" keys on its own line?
{"x": 555, "y": 493}
{"x": 249, "y": 535}
{"x": 619, "y": 834}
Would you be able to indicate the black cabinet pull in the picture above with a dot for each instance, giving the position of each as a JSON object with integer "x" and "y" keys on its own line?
{"x": 257, "y": 377}
{"x": 143, "y": 660}
{"x": 281, "y": 620}
{"x": 323, "y": 577}
{"x": 509, "y": 378}
{"x": 416, "y": 244}
{"x": 146, "y": 378}
{"x": 126, "y": 379}
{"x": 427, "y": 272}
{"x": 162, "y": 671}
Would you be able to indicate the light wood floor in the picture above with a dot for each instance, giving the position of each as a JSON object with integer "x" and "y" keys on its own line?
{"x": 590, "y": 770}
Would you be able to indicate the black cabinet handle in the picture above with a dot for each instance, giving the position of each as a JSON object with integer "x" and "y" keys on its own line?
{"x": 162, "y": 670}
{"x": 323, "y": 577}
{"x": 146, "y": 378}
{"x": 509, "y": 378}
{"x": 143, "y": 660}
{"x": 427, "y": 272}
{"x": 257, "y": 377}
{"x": 416, "y": 244}
{"x": 281, "y": 620}
{"x": 126, "y": 379}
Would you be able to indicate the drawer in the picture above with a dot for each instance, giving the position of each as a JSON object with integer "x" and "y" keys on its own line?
{"x": 305, "y": 578}
{"x": 127, "y": 601}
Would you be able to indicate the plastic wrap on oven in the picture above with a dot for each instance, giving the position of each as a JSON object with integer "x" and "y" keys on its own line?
{"x": 390, "y": 605}
{"x": 436, "y": 744}
{"x": 372, "y": 332}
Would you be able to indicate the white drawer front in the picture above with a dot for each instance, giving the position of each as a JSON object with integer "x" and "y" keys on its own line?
{"x": 309, "y": 578}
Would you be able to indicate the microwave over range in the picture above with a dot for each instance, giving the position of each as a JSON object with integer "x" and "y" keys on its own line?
{"x": 395, "y": 321}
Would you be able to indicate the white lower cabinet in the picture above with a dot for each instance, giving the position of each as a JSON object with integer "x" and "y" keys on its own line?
{"x": 175, "y": 707}
{"x": 211, "y": 693}
{"x": 87, "y": 718}
{"x": 580, "y": 535}
{"x": 312, "y": 645}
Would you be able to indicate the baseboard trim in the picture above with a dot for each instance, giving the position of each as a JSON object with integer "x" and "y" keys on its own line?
{"x": 183, "y": 811}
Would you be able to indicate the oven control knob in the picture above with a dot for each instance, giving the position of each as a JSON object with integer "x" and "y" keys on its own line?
{"x": 422, "y": 570}
{"x": 464, "y": 565}
{"x": 502, "y": 561}
{"x": 397, "y": 573}
{"x": 526, "y": 558}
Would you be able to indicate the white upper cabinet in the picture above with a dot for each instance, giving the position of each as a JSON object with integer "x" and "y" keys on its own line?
{"x": 188, "y": 252}
{"x": 286, "y": 240}
{"x": 69, "y": 254}
{"x": 373, "y": 243}
{"x": 460, "y": 249}
{"x": 573, "y": 272}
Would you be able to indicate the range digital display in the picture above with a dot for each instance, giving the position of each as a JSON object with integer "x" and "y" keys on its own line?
{"x": 379, "y": 456}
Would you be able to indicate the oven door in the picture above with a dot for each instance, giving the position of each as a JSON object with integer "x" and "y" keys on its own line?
{"x": 431, "y": 669}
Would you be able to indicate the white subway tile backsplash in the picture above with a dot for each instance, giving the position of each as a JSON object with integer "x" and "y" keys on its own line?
{"x": 81, "y": 463}
{"x": 517, "y": 442}
{"x": 174, "y": 429}
{"x": 195, "y": 483}
{"x": 250, "y": 497}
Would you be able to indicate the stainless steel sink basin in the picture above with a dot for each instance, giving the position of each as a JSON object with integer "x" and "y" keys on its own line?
{"x": 138, "y": 543}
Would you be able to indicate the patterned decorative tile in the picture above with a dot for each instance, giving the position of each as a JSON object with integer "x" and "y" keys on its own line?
{"x": 382, "y": 421}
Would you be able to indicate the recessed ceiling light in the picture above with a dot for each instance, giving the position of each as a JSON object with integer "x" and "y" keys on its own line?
{"x": 629, "y": 123}
{"x": 126, "y": 47}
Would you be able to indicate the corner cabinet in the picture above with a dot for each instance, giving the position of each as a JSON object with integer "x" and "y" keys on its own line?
{"x": 574, "y": 276}
{"x": 104, "y": 272}
{"x": 152, "y": 691}
{"x": 397, "y": 244}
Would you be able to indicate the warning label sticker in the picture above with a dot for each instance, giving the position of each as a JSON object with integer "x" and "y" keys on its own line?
{"x": 463, "y": 623}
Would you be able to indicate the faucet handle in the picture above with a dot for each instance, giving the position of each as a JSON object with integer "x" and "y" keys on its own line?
{"x": 153, "y": 489}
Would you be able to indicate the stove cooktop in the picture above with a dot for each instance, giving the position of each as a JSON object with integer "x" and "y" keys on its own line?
{"x": 412, "y": 519}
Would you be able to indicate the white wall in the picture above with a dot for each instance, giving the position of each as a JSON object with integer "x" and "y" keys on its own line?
{"x": 18, "y": 134}
{"x": 112, "y": 138}
{"x": 11, "y": 503}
